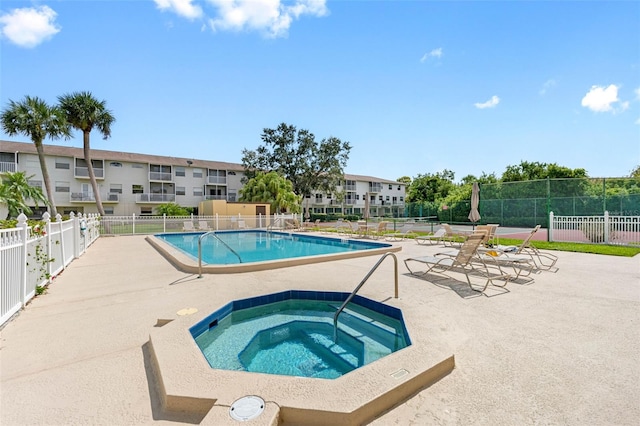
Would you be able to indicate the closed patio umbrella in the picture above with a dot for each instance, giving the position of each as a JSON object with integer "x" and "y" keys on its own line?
{"x": 474, "y": 214}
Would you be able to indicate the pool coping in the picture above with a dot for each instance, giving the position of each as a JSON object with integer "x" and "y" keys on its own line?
{"x": 187, "y": 264}
{"x": 188, "y": 384}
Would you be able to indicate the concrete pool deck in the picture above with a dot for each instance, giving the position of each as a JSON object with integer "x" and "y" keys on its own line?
{"x": 563, "y": 349}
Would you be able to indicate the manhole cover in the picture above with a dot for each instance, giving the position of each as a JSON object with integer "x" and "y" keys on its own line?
{"x": 247, "y": 408}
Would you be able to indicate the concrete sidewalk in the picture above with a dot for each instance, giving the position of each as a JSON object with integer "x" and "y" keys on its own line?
{"x": 563, "y": 349}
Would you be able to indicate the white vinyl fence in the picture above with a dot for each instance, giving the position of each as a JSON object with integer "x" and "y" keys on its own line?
{"x": 624, "y": 230}
{"x": 31, "y": 257}
{"x": 132, "y": 225}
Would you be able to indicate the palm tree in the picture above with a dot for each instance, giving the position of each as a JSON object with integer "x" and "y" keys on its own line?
{"x": 34, "y": 118}
{"x": 84, "y": 112}
{"x": 15, "y": 190}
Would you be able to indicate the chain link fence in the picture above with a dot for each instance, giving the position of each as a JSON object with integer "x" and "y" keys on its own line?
{"x": 528, "y": 203}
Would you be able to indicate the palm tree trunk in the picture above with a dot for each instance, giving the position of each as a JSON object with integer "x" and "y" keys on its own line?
{"x": 92, "y": 176}
{"x": 45, "y": 177}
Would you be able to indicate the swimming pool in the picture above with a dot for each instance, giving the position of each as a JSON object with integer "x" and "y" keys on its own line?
{"x": 291, "y": 333}
{"x": 253, "y": 250}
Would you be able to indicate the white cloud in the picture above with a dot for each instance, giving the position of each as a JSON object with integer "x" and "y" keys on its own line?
{"x": 546, "y": 86}
{"x": 184, "y": 8}
{"x": 637, "y": 92}
{"x": 435, "y": 53}
{"x": 272, "y": 17}
{"x": 28, "y": 27}
{"x": 491, "y": 103}
{"x": 602, "y": 99}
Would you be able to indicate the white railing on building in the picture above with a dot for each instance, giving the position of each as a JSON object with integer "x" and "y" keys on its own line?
{"x": 7, "y": 167}
{"x": 155, "y": 198}
{"x": 31, "y": 257}
{"x": 604, "y": 229}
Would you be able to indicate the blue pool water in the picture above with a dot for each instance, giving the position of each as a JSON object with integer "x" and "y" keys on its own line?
{"x": 258, "y": 246}
{"x": 291, "y": 333}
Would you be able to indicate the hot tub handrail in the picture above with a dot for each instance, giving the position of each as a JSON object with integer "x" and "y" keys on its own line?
{"x": 364, "y": 280}
{"x": 200, "y": 250}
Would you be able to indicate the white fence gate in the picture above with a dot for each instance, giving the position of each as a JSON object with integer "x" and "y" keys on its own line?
{"x": 31, "y": 257}
{"x": 605, "y": 229}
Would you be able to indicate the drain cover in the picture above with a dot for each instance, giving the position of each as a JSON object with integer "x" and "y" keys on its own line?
{"x": 246, "y": 408}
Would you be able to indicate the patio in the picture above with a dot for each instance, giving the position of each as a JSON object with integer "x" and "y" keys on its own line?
{"x": 560, "y": 350}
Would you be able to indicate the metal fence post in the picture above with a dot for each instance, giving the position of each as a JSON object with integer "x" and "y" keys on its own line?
{"x": 550, "y": 229}
{"x": 606, "y": 227}
{"x": 133, "y": 223}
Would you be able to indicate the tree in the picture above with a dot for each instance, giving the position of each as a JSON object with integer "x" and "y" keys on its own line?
{"x": 15, "y": 190}
{"x": 273, "y": 189}
{"x": 430, "y": 187}
{"x": 84, "y": 112}
{"x": 37, "y": 120}
{"x": 295, "y": 155}
{"x": 535, "y": 170}
{"x": 172, "y": 209}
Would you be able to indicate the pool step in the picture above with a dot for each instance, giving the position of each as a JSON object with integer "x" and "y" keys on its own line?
{"x": 361, "y": 326}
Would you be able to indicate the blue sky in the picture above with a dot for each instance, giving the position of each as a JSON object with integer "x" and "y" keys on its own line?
{"x": 416, "y": 87}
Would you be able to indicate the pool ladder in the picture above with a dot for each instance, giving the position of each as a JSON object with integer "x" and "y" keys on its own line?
{"x": 364, "y": 280}
{"x": 200, "y": 250}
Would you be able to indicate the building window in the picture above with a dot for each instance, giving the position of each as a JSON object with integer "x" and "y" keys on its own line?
{"x": 231, "y": 173}
{"x": 328, "y": 196}
{"x": 401, "y": 199}
{"x": 137, "y": 166}
{"x": 387, "y": 199}
{"x": 62, "y": 164}
{"x": 197, "y": 191}
{"x": 390, "y": 186}
{"x": 137, "y": 189}
{"x": 357, "y": 196}
{"x": 180, "y": 190}
{"x": 115, "y": 164}
{"x": 115, "y": 188}
{"x": 197, "y": 173}
{"x": 108, "y": 210}
{"x": 62, "y": 186}
{"x": 318, "y": 198}
{"x": 180, "y": 171}
{"x": 399, "y": 187}
{"x": 146, "y": 211}
{"x": 35, "y": 183}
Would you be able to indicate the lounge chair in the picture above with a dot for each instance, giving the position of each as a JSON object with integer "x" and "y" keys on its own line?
{"x": 203, "y": 225}
{"x": 461, "y": 262}
{"x": 188, "y": 226}
{"x": 378, "y": 231}
{"x": 454, "y": 237}
{"x": 437, "y": 237}
{"x": 525, "y": 250}
{"x": 405, "y": 232}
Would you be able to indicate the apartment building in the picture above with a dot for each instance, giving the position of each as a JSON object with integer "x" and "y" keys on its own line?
{"x": 132, "y": 183}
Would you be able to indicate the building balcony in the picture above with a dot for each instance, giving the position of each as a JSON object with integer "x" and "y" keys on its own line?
{"x": 84, "y": 197}
{"x": 161, "y": 176}
{"x": 155, "y": 198}
{"x": 7, "y": 167}
{"x": 215, "y": 197}
{"x": 216, "y": 180}
{"x": 83, "y": 173}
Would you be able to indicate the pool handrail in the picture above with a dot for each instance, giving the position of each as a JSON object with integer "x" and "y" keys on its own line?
{"x": 200, "y": 250}
{"x": 364, "y": 280}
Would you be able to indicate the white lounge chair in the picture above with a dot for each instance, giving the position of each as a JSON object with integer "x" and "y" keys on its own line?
{"x": 436, "y": 238}
{"x": 545, "y": 261}
{"x": 188, "y": 226}
{"x": 203, "y": 225}
{"x": 461, "y": 262}
{"x": 405, "y": 232}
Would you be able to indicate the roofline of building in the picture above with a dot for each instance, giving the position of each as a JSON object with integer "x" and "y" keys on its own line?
{"x": 100, "y": 154}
